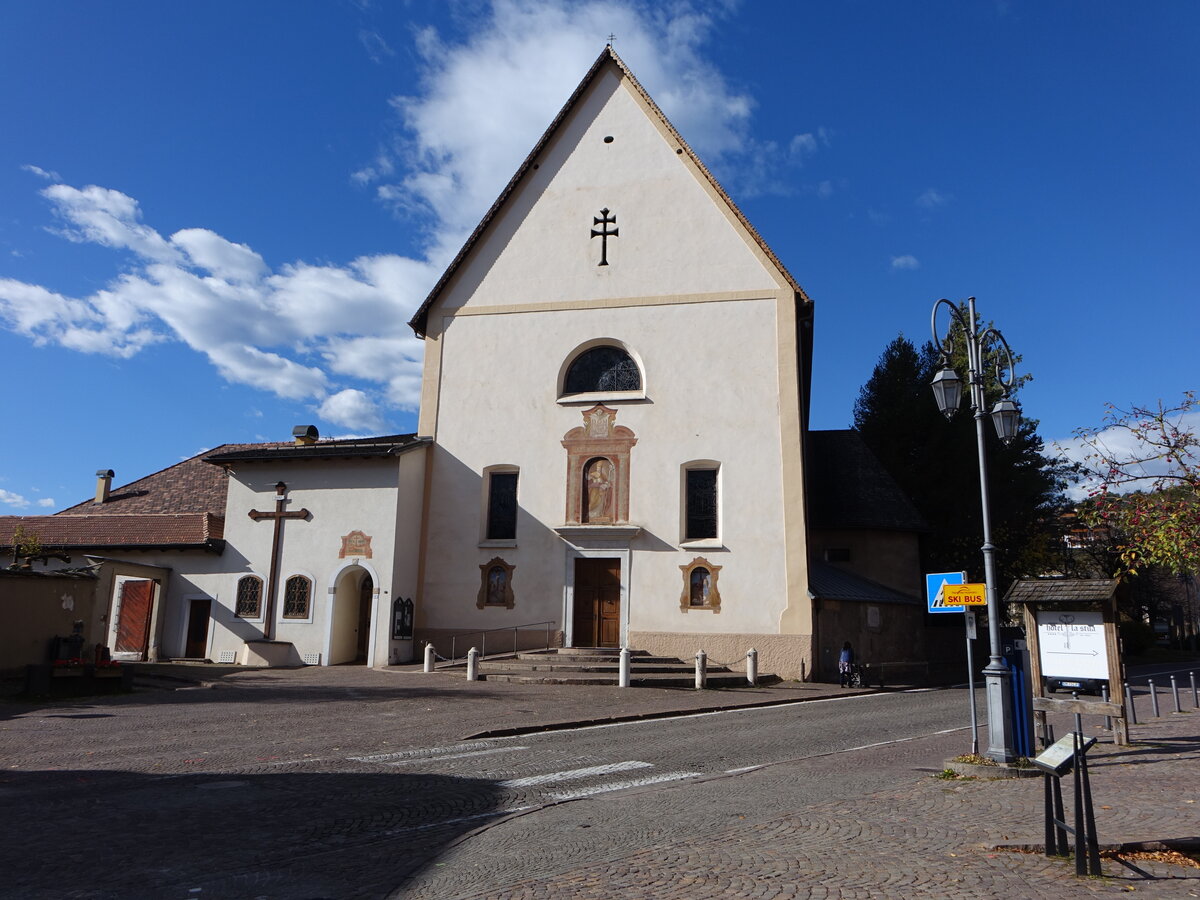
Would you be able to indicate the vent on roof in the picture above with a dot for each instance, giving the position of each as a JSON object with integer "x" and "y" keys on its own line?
{"x": 305, "y": 435}
{"x": 104, "y": 479}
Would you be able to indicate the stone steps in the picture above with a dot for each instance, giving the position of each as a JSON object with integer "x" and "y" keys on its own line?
{"x": 601, "y": 665}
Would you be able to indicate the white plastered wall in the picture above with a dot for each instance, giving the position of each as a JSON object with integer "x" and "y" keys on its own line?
{"x": 711, "y": 393}
{"x": 380, "y": 497}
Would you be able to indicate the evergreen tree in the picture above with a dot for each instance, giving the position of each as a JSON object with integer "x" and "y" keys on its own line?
{"x": 937, "y": 464}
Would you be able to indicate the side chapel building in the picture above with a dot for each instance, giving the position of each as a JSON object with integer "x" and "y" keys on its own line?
{"x": 612, "y": 439}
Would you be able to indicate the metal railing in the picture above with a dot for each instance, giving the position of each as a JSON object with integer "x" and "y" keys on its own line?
{"x": 456, "y": 639}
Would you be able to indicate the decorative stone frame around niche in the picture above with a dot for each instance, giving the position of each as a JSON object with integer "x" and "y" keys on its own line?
{"x": 485, "y": 574}
{"x": 598, "y": 441}
{"x": 713, "y": 600}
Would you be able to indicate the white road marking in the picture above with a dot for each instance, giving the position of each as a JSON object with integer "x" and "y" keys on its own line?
{"x": 423, "y": 753}
{"x": 470, "y": 754}
{"x": 622, "y": 785}
{"x": 574, "y": 774}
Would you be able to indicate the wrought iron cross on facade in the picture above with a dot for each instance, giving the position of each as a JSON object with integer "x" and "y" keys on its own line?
{"x": 278, "y": 515}
{"x": 604, "y": 220}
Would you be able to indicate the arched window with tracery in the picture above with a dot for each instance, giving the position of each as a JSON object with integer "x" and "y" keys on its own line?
{"x": 604, "y": 369}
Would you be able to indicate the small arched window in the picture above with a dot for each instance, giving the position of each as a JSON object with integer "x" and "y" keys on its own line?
{"x": 249, "y": 597}
{"x": 602, "y": 369}
{"x": 297, "y": 596}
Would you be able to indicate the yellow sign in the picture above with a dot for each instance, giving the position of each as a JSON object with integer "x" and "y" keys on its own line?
{"x": 965, "y": 594}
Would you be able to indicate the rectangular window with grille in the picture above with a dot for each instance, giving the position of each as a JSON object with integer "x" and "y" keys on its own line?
{"x": 296, "y": 597}
{"x": 502, "y": 506}
{"x": 701, "y": 518}
{"x": 249, "y": 597}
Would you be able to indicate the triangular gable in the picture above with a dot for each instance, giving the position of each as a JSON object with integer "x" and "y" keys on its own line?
{"x": 608, "y": 61}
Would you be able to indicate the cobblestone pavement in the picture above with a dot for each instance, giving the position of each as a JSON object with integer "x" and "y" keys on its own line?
{"x": 924, "y": 838}
{"x": 235, "y": 790}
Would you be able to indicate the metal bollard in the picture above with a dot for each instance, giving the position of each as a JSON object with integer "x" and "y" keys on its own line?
{"x": 1107, "y": 719}
{"x": 472, "y": 665}
{"x": 1195, "y": 698}
{"x": 752, "y": 666}
{"x": 1175, "y": 694}
{"x": 1132, "y": 710}
{"x": 623, "y": 677}
{"x": 701, "y": 669}
{"x": 430, "y": 655}
{"x": 1153, "y": 697}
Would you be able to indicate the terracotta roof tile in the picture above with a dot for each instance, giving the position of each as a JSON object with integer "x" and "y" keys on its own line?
{"x": 105, "y": 530}
{"x": 192, "y": 486}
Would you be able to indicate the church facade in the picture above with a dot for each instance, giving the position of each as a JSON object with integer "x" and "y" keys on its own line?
{"x": 611, "y": 449}
{"x": 615, "y": 380}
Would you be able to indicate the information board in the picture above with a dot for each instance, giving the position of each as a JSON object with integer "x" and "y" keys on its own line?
{"x": 1071, "y": 644}
{"x": 1058, "y": 758}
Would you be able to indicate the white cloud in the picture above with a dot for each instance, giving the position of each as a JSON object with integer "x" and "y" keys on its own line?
{"x": 825, "y": 189}
{"x": 335, "y": 335}
{"x": 42, "y": 173}
{"x": 907, "y": 261}
{"x": 1119, "y": 443}
{"x": 8, "y": 498}
{"x": 352, "y": 409}
{"x": 47, "y": 503}
{"x": 932, "y": 198}
{"x": 803, "y": 145}
{"x": 284, "y": 331}
{"x": 484, "y": 102}
{"x": 377, "y": 48}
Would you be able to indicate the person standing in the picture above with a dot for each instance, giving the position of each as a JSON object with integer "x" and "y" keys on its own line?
{"x": 845, "y": 661}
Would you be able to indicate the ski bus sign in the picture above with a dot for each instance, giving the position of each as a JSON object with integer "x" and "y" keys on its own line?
{"x": 935, "y": 595}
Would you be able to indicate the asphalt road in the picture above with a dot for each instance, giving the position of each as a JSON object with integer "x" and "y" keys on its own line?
{"x": 288, "y": 794}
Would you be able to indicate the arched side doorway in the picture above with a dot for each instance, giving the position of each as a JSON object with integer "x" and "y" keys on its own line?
{"x": 352, "y": 616}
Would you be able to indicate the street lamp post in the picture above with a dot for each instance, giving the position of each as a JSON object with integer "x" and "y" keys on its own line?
{"x": 947, "y": 389}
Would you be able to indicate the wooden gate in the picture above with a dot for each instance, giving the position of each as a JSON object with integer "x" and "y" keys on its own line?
{"x": 133, "y": 623}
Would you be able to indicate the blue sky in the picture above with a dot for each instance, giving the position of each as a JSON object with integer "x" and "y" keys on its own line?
{"x": 216, "y": 218}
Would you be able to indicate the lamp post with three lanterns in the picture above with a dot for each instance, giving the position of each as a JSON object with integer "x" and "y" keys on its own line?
{"x": 947, "y": 389}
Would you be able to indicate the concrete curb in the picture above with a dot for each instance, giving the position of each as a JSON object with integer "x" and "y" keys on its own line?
{"x": 658, "y": 714}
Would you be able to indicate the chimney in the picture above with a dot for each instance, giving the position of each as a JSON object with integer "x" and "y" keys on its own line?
{"x": 104, "y": 479}
{"x": 305, "y": 435}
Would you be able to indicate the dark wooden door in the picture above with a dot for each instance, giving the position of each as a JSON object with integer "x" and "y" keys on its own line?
{"x": 364, "y": 618}
{"x": 133, "y": 622}
{"x": 597, "y": 614}
{"x": 196, "y": 646}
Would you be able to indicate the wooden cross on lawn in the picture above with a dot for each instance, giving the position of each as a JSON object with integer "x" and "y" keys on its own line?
{"x": 276, "y": 542}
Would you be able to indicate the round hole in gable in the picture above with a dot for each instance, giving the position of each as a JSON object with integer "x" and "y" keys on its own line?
{"x": 608, "y": 139}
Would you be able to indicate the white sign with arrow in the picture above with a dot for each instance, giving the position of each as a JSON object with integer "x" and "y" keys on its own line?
{"x": 1071, "y": 644}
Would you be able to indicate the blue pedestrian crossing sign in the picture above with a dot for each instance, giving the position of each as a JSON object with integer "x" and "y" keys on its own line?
{"x": 934, "y": 595}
